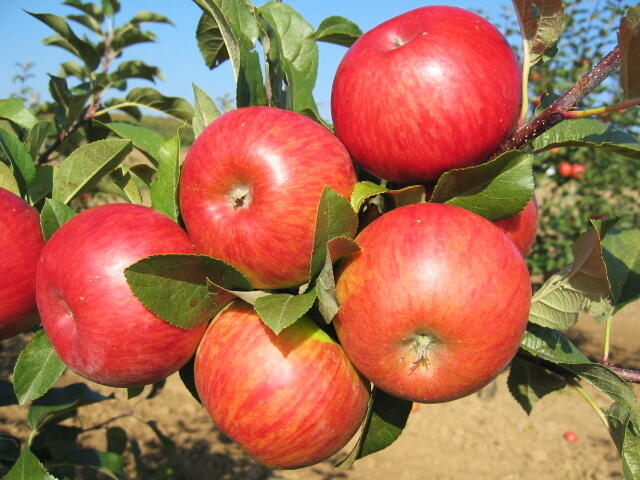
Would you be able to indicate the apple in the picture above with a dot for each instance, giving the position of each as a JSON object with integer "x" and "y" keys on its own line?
{"x": 435, "y": 303}
{"x": 577, "y": 170}
{"x": 95, "y": 323}
{"x": 21, "y": 243}
{"x": 570, "y": 436}
{"x": 432, "y": 89}
{"x": 565, "y": 169}
{"x": 521, "y": 228}
{"x": 250, "y": 187}
{"x": 289, "y": 400}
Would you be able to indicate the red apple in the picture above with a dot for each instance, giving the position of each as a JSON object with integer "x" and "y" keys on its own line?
{"x": 20, "y": 245}
{"x": 95, "y": 323}
{"x": 577, "y": 170}
{"x": 521, "y": 228}
{"x": 289, "y": 400}
{"x": 250, "y": 187}
{"x": 435, "y": 303}
{"x": 565, "y": 169}
{"x": 433, "y": 89}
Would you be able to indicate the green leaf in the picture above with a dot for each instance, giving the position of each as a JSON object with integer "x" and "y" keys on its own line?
{"x": 407, "y": 195}
{"x": 175, "y": 286}
{"x": 334, "y": 218}
{"x": 82, "y": 49}
{"x": 69, "y": 106}
{"x": 145, "y": 16}
{"x": 164, "y": 189}
{"x": 151, "y": 98}
{"x": 21, "y": 163}
{"x": 130, "y": 34}
{"x": 110, "y": 7}
{"x": 250, "y": 88}
{"x": 541, "y": 24}
{"x": 362, "y": 191}
{"x": 72, "y": 69}
{"x": 116, "y": 440}
{"x": 125, "y": 183}
{"x": 325, "y": 285}
{"x": 338, "y": 30}
{"x": 58, "y": 403}
{"x": 529, "y": 382}
{"x": 626, "y": 440}
{"x": 146, "y": 140}
{"x": 205, "y": 110}
{"x": 54, "y": 214}
{"x": 188, "y": 379}
{"x": 7, "y": 180}
{"x": 42, "y": 185}
{"x": 86, "y": 165}
{"x": 135, "y": 69}
{"x": 281, "y": 310}
{"x": 560, "y": 300}
{"x": 211, "y": 42}
{"x": 87, "y": 21}
{"x": 13, "y": 109}
{"x": 28, "y": 467}
{"x": 133, "y": 392}
{"x": 37, "y": 136}
{"x": 629, "y": 42}
{"x": 295, "y": 53}
{"x": 386, "y": 418}
{"x": 622, "y": 257}
{"x": 37, "y": 369}
{"x": 497, "y": 189}
{"x": 588, "y": 132}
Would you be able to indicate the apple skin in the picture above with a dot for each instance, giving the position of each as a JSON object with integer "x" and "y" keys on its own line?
{"x": 290, "y": 400}
{"x": 95, "y": 323}
{"x": 281, "y": 161}
{"x": 445, "y": 98}
{"x": 577, "y": 170}
{"x": 565, "y": 169}
{"x": 21, "y": 243}
{"x": 435, "y": 303}
{"x": 521, "y": 228}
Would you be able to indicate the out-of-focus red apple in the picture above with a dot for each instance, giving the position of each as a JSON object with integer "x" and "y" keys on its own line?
{"x": 434, "y": 304}
{"x": 250, "y": 187}
{"x": 21, "y": 242}
{"x": 565, "y": 169}
{"x": 577, "y": 170}
{"x": 95, "y": 323}
{"x": 289, "y": 400}
{"x": 432, "y": 89}
{"x": 521, "y": 228}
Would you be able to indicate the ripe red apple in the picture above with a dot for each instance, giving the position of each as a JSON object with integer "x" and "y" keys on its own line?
{"x": 95, "y": 323}
{"x": 570, "y": 436}
{"x": 521, "y": 228}
{"x": 250, "y": 187}
{"x": 577, "y": 170}
{"x": 289, "y": 400}
{"x": 565, "y": 169}
{"x": 21, "y": 242}
{"x": 434, "y": 304}
{"x": 432, "y": 89}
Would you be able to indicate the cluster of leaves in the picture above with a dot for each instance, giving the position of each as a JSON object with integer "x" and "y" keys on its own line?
{"x": 184, "y": 289}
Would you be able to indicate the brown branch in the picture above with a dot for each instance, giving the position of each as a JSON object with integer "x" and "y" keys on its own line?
{"x": 554, "y": 114}
{"x": 628, "y": 375}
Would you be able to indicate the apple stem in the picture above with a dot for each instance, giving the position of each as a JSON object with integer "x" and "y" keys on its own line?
{"x": 555, "y": 113}
{"x": 240, "y": 196}
{"x": 421, "y": 345}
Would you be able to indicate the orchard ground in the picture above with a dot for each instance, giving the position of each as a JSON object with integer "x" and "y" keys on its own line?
{"x": 484, "y": 436}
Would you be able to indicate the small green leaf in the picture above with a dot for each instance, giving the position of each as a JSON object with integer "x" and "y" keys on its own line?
{"x": 407, "y": 196}
{"x": 89, "y": 8}
{"x": 529, "y": 382}
{"x": 133, "y": 392}
{"x": 335, "y": 218}
{"x": 42, "y": 185}
{"x": 145, "y": 16}
{"x": 151, "y": 98}
{"x": 130, "y": 34}
{"x": 622, "y": 257}
{"x": 588, "y": 132}
{"x": 81, "y": 48}
{"x": 281, "y": 310}
{"x": 205, "y": 110}
{"x": 211, "y": 42}
{"x": 116, "y": 440}
{"x": 571, "y": 291}
{"x": 37, "y": 136}
{"x": 625, "y": 438}
{"x": 629, "y": 42}
{"x": 541, "y": 24}
{"x": 7, "y": 180}
{"x": 386, "y": 418}
{"x": 37, "y": 369}
{"x": 58, "y": 403}
{"x": 70, "y": 106}
{"x": 164, "y": 189}
{"x": 88, "y": 22}
{"x": 496, "y": 189}
{"x": 28, "y": 467}
{"x": 23, "y": 167}
{"x": 86, "y": 166}
{"x": 338, "y": 30}
{"x": 175, "y": 286}
{"x": 146, "y": 140}
{"x": 135, "y": 69}
{"x": 250, "y": 88}
{"x": 54, "y": 214}
{"x": 362, "y": 191}
{"x": 13, "y": 109}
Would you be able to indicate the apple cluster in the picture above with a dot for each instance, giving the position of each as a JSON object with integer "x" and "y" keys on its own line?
{"x": 431, "y": 308}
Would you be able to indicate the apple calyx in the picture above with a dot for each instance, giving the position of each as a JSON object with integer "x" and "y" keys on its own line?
{"x": 240, "y": 196}
{"x": 421, "y": 344}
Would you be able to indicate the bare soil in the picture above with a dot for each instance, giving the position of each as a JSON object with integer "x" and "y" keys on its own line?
{"x": 484, "y": 436}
